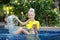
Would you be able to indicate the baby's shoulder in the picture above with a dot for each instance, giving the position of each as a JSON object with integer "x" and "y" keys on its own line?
{"x": 36, "y": 22}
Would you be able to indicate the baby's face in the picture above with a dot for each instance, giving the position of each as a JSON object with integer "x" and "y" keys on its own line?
{"x": 31, "y": 15}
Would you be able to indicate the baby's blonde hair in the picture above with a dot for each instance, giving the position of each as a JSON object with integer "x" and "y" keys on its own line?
{"x": 31, "y": 10}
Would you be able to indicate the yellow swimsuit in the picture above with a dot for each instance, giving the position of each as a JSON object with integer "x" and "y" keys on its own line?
{"x": 30, "y": 24}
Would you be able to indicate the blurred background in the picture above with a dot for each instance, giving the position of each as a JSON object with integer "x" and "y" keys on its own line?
{"x": 47, "y": 11}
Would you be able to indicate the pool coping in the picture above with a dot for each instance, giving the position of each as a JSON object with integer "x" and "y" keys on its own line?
{"x": 50, "y": 28}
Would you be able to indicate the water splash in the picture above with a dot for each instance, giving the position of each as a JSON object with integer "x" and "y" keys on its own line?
{"x": 11, "y": 23}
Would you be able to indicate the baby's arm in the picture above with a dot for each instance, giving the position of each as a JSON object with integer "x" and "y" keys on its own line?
{"x": 35, "y": 28}
{"x": 23, "y": 23}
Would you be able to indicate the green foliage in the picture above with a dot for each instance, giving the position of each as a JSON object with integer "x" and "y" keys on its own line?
{"x": 43, "y": 9}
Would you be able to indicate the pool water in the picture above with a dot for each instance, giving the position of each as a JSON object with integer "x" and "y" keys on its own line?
{"x": 42, "y": 35}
